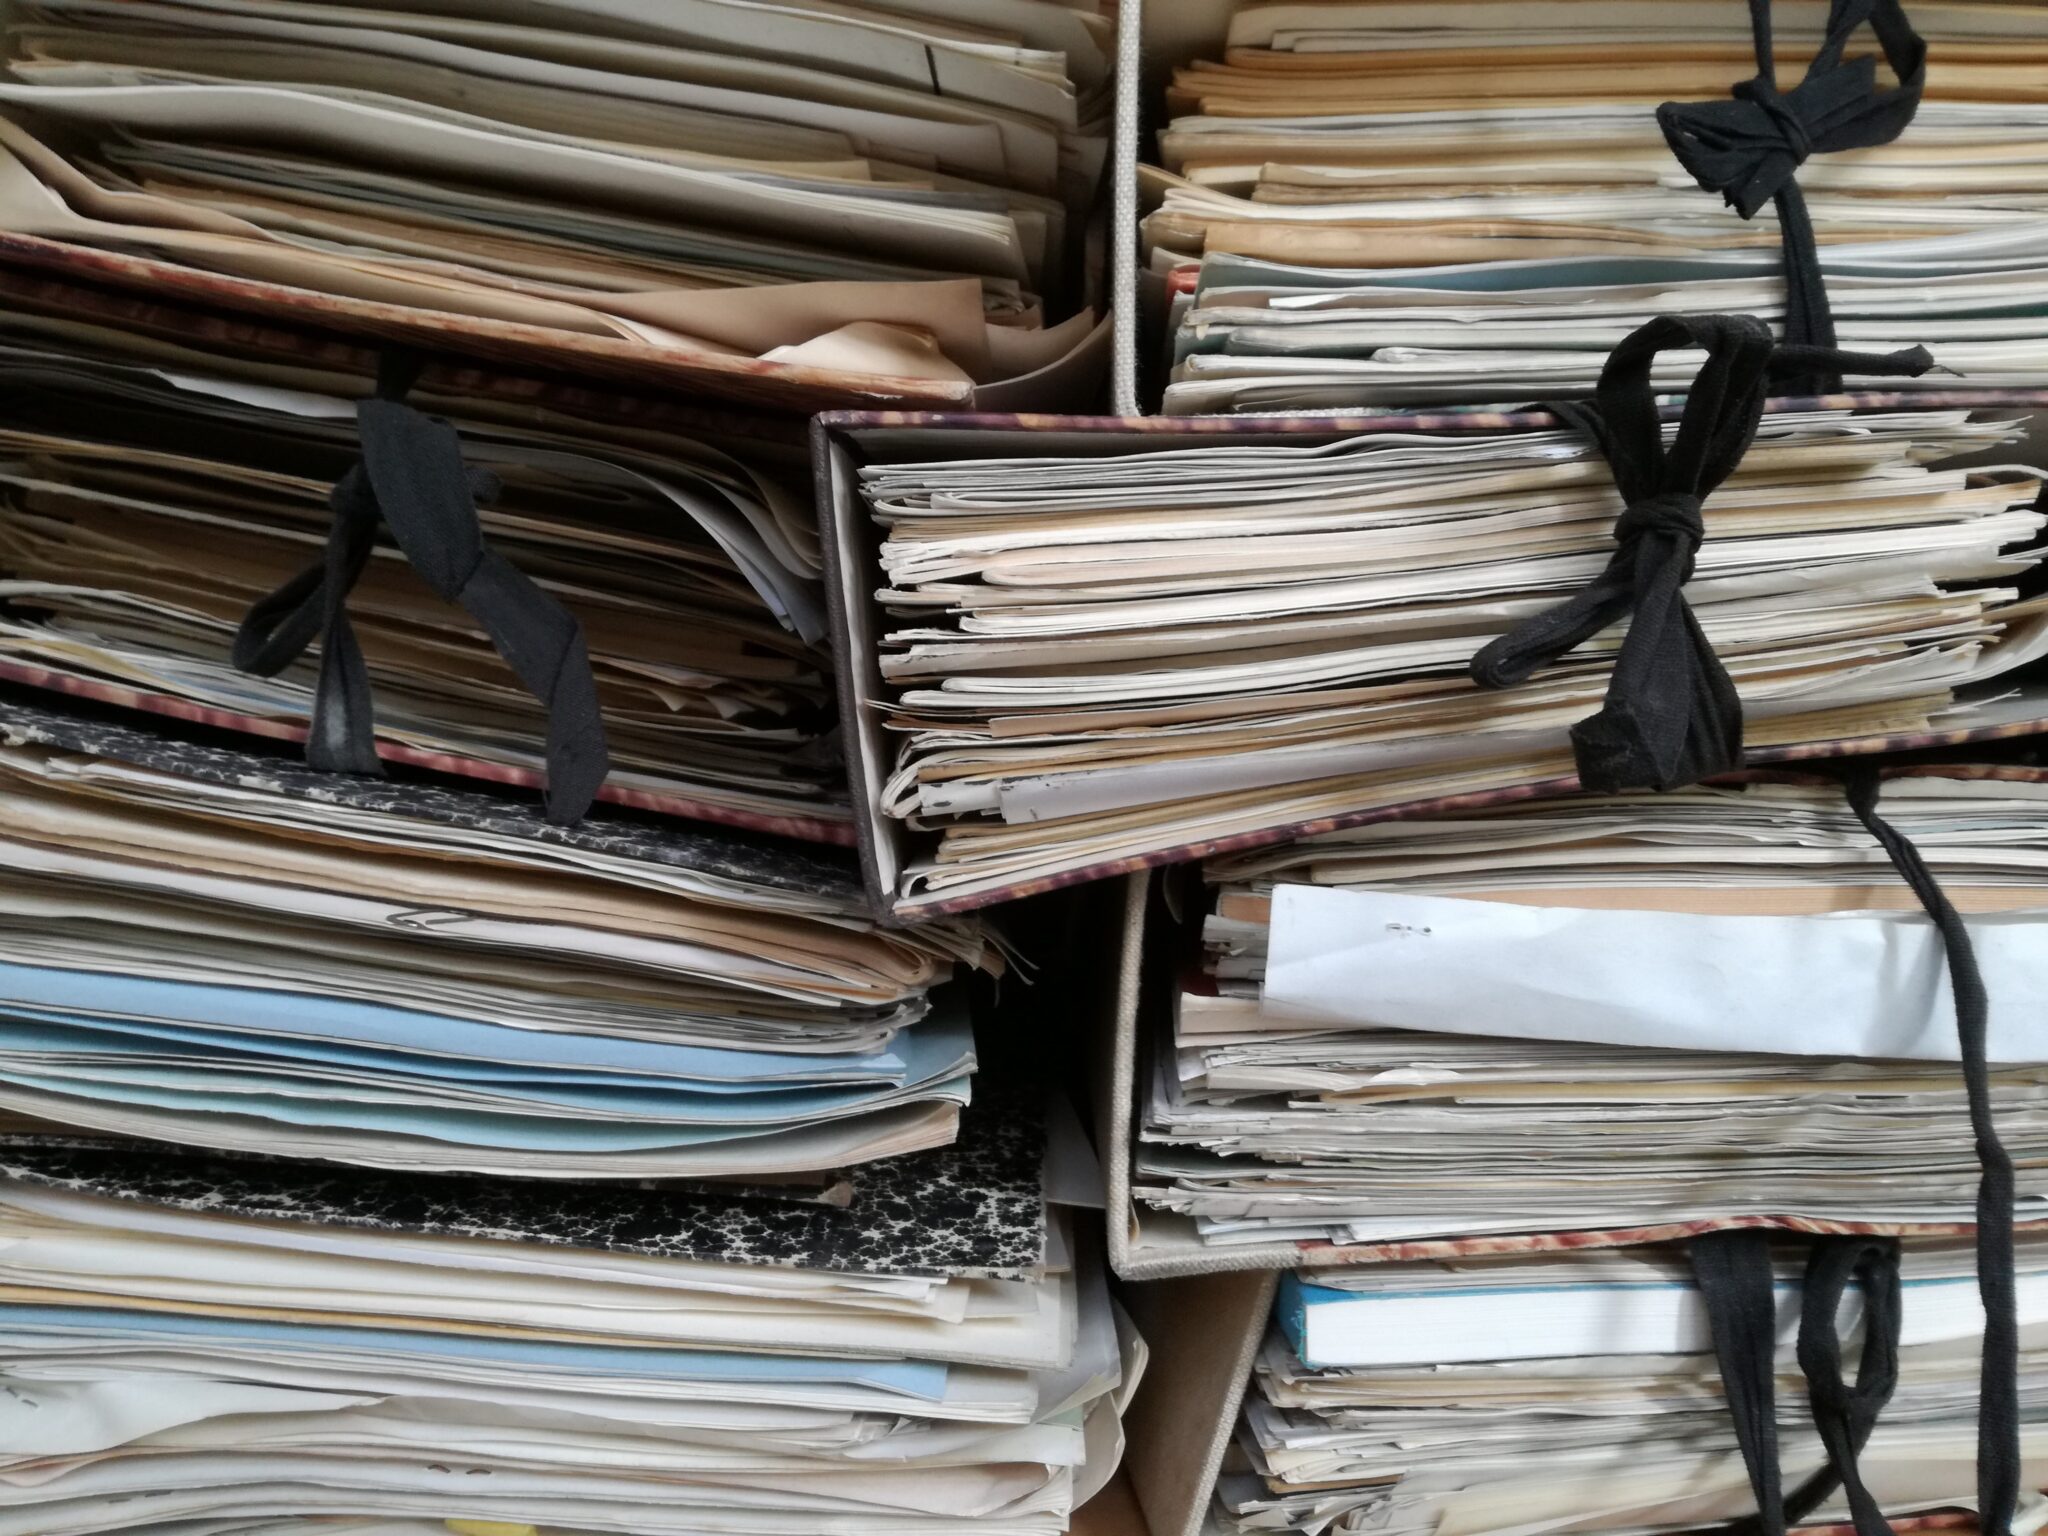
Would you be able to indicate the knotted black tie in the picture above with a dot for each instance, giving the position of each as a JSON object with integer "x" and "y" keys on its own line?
{"x": 1750, "y": 148}
{"x": 411, "y": 477}
{"x": 1671, "y": 715}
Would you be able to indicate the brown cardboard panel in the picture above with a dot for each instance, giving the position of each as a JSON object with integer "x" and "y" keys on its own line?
{"x": 1113, "y": 1076}
{"x": 1204, "y": 1331}
{"x": 1112, "y": 1512}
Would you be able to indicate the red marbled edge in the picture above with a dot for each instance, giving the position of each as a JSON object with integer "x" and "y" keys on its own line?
{"x": 1481, "y": 418}
{"x": 809, "y": 829}
{"x": 1814, "y": 751}
{"x": 295, "y": 339}
{"x": 1325, "y": 1255}
{"x": 778, "y": 386}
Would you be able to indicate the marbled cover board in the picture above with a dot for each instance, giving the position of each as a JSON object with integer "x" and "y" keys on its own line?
{"x": 974, "y": 1208}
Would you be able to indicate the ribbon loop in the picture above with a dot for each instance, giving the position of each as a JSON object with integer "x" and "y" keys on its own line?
{"x": 1846, "y": 1415}
{"x": 1671, "y": 716}
{"x": 1749, "y": 148}
{"x": 1737, "y": 1286}
{"x": 411, "y": 478}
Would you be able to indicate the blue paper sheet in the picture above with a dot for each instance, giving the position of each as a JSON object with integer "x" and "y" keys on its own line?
{"x": 210, "y": 1076}
{"x": 935, "y": 1049}
{"x": 914, "y": 1378}
{"x": 262, "y": 1012}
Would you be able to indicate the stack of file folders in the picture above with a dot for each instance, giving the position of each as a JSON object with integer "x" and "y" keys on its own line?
{"x": 241, "y": 1345}
{"x": 792, "y": 204}
{"x": 227, "y": 949}
{"x": 1634, "y": 1016}
{"x": 162, "y": 468}
{"x": 1093, "y": 654}
{"x": 1496, "y": 1394}
{"x": 1380, "y": 201}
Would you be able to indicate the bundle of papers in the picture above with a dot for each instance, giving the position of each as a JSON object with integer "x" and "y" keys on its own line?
{"x": 228, "y": 950}
{"x": 1380, "y": 201}
{"x": 243, "y": 1346}
{"x": 797, "y": 202}
{"x": 1599, "y": 1015}
{"x": 153, "y": 486}
{"x": 1104, "y": 657}
{"x": 1577, "y": 1390}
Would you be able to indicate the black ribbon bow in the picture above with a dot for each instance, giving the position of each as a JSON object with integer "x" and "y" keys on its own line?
{"x": 1749, "y": 148}
{"x": 1671, "y": 716}
{"x": 411, "y": 477}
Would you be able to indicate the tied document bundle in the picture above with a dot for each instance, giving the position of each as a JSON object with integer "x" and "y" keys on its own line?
{"x": 230, "y": 950}
{"x": 1578, "y": 1391}
{"x": 1382, "y": 202}
{"x": 160, "y": 474}
{"x": 797, "y": 204}
{"x": 1091, "y": 659}
{"x": 1625, "y": 1015}
{"x": 240, "y": 1345}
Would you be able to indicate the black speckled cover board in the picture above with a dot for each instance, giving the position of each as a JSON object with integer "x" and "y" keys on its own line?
{"x": 754, "y": 859}
{"x": 974, "y": 1208}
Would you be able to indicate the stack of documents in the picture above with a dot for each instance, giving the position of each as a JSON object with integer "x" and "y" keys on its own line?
{"x": 243, "y": 1346}
{"x": 868, "y": 197}
{"x": 229, "y": 950}
{"x": 158, "y": 475}
{"x": 1380, "y": 201}
{"x": 1100, "y": 658}
{"x": 1490, "y": 1395}
{"x": 1605, "y": 1015}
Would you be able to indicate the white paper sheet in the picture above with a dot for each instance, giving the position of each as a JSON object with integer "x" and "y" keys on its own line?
{"x": 1849, "y": 984}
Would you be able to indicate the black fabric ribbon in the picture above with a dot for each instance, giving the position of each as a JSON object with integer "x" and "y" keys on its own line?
{"x": 411, "y": 478}
{"x": 1846, "y": 1415}
{"x": 1733, "y": 1270}
{"x": 1671, "y": 715}
{"x": 1998, "y": 1411}
{"x": 1734, "y": 1274}
{"x": 1749, "y": 148}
